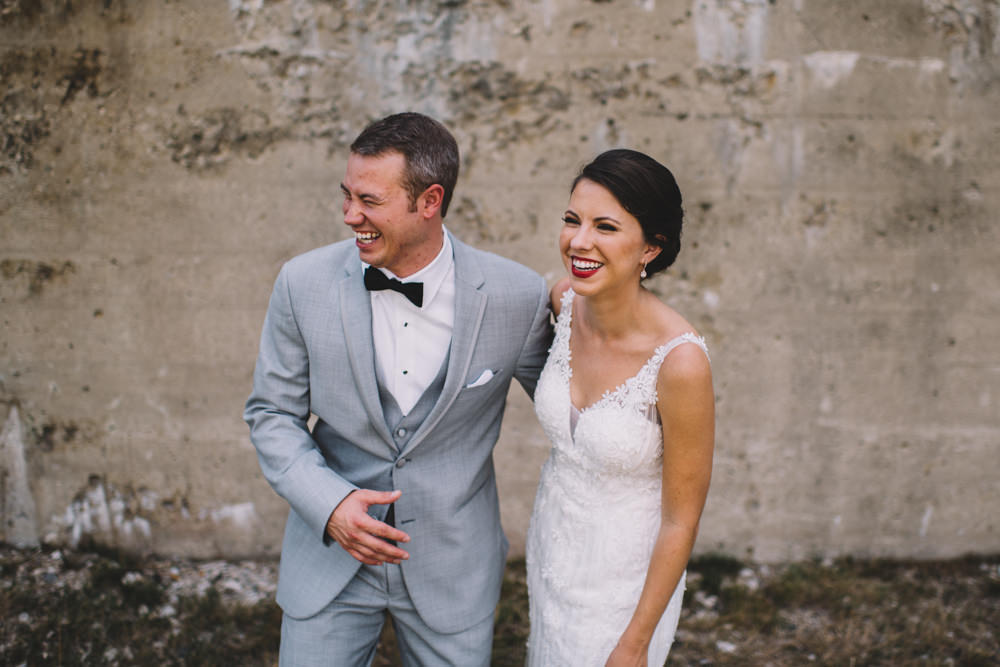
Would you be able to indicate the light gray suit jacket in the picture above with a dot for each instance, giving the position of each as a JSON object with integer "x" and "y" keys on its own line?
{"x": 317, "y": 356}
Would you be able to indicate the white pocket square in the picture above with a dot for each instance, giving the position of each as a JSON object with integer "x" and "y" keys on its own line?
{"x": 483, "y": 378}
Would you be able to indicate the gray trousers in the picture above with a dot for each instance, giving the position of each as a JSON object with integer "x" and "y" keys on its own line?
{"x": 345, "y": 633}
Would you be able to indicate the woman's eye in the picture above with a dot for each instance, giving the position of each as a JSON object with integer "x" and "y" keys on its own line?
{"x": 571, "y": 221}
{"x": 605, "y": 227}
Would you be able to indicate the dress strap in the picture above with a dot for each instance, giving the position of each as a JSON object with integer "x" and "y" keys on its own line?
{"x": 687, "y": 337}
{"x": 559, "y": 349}
{"x": 566, "y": 305}
{"x": 646, "y": 379}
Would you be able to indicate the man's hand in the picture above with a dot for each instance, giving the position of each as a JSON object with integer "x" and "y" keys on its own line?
{"x": 362, "y": 536}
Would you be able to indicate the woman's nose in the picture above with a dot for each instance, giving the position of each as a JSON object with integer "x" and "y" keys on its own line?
{"x": 581, "y": 238}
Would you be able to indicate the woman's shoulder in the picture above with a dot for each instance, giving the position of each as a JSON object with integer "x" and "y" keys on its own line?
{"x": 686, "y": 358}
{"x": 684, "y": 349}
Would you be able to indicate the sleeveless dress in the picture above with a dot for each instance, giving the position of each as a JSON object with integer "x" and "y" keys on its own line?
{"x": 597, "y": 512}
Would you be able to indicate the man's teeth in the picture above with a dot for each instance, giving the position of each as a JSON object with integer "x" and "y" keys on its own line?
{"x": 586, "y": 265}
{"x": 367, "y": 237}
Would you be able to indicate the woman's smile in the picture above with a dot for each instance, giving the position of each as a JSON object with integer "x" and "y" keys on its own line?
{"x": 584, "y": 268}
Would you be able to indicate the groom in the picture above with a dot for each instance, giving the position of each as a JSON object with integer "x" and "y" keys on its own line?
{"x": 402, "y": 341}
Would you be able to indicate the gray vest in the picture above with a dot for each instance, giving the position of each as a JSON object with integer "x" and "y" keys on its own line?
{"x": 402, "y": 427}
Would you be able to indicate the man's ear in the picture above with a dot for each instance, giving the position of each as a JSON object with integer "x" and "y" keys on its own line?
{"x": 431, "y": 200}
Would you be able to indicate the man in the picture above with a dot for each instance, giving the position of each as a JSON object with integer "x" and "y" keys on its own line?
{"x": 392, "y": 492}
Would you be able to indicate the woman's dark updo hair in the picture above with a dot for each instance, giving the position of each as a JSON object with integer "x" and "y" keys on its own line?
{"x": 647, "y": 190}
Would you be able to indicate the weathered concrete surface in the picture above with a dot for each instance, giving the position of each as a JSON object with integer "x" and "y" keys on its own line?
{"x": 18, "y": 509}
{"x": 839, "y": 161}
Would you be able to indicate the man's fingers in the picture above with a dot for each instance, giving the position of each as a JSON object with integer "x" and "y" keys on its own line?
{"x": 384, "y": 530}
{"x": 367, "y": 560}
{"x": 363, "y": 536}
{"x": 371, "y": 558}
{"x": 357, "y": 555}
{"x": 366, "y": 537}
{"x": 379, "y": 547}
{"x": 370, "y": 497}
{"x": 365, "y": 555}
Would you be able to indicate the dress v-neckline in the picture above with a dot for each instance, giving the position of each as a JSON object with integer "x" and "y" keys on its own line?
{"x": 613, "y": 391}
{"x": 608, "y": 393}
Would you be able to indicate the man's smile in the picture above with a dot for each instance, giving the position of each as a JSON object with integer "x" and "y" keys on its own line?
{"x": 365, "y": 238}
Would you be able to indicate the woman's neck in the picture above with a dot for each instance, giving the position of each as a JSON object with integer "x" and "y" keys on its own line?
{"x": 613, "y": 315}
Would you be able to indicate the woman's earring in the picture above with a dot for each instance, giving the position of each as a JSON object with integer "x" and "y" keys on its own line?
{"x": 642, "y": 274}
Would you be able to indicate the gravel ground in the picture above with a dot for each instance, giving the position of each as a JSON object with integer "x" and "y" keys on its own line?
{"x": 61, "y": 607}
{"x": 236, "y": 582}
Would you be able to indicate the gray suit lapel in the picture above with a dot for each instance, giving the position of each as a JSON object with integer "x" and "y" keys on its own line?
{"x": 470, "y": 306}
{"x": 356, "y": 320}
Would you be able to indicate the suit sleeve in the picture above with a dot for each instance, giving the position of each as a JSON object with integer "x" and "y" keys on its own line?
{"x": 277, "y": 412}
{"x": 536, "y": 345}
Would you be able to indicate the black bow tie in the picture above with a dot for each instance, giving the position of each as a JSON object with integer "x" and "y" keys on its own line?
{"x": 375, "y": 280}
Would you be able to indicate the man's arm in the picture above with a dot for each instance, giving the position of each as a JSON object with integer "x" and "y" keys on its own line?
{"x": 536, "y": 345}
{"x": 277, "y": 412}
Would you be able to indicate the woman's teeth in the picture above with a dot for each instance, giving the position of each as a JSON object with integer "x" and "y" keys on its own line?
{"x": 586, "y": 264}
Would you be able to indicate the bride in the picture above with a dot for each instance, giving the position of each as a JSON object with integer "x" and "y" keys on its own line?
{"x": 626, "y": 399}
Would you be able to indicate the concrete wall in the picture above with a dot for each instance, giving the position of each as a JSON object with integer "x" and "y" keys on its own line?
{"x": 839, "y": 161}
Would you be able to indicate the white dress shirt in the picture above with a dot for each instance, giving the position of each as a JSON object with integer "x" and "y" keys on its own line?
{"x": 411, "y": 343}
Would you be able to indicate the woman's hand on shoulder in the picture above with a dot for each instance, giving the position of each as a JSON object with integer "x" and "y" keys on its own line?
{"x": 556, "y": 294}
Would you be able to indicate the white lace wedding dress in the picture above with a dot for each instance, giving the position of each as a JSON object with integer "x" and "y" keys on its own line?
{"x": 596, "y": 514}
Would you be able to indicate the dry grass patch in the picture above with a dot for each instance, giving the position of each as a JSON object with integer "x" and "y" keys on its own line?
{"x": 845, "y": 612}
{"x": 109, "y": 608}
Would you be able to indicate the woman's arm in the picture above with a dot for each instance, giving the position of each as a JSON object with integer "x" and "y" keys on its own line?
{"x": 686, "y": 403}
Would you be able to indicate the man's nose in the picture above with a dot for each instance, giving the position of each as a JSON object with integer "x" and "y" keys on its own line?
{"x": 352, "y": 213}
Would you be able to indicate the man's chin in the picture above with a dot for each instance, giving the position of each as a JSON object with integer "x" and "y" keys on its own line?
{"x": 370, "y": 255}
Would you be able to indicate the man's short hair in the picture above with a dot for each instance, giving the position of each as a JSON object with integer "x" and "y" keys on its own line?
{"x": 428, "y": 148}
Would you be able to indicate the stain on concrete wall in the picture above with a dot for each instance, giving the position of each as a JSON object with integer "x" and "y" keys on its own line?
{"x": 29, "y": 277}
{"x": 159, "y": 161}
{"x": 17, "y": 513}
{"x": 23, "y": 121}
{"x": 218, "y": 134}
{"x": 129, "y": 518}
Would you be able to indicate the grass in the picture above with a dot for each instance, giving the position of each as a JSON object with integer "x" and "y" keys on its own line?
{"x": 110, "y": 614}
{"x": 106, "y": 607}
{"x": 848, "y": 612}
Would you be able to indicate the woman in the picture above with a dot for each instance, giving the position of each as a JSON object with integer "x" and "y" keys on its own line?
{"x": 626, "y": 399}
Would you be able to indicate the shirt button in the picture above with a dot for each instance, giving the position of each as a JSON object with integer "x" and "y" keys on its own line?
{"x": 405, "y": 372}
{"x": 401, "y": 462}
{"x": 401, "y": 432}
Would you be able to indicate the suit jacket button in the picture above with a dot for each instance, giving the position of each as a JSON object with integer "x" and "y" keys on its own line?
{"x": 401, "y": 432}
{"x": 401, "y": 462}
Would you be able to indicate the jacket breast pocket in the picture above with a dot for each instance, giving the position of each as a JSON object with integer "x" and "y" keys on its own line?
{"x": 487, "y": 376}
